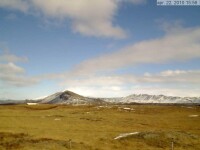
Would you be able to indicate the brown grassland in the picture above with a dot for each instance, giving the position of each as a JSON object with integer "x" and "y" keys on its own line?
{"x": 49, "y": 127}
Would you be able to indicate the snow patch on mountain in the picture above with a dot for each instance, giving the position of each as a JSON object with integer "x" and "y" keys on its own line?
{"x": 145, "y": 98}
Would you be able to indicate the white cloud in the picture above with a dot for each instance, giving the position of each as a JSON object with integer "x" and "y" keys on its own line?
{"x": 10, "y": 68}
{"x": 174, "y": 76}
{"x": 18, "y": 80}
{"x": 104, "y": 91}
{"x": 94, "y": 81}
{"x": 12, "y": 74}
{"x": 12, "y": 58}
{"x": 15, "y": 4}
{"x": 180, "y": 45}
{"x": 169, "y": 82}
{"x": 91, "y": 18}
{"x": 6, "y": 56}
{"x": 99, "y": 29}
{"x": 174, "y": 91}
{"x": 134, "y": 1}
{"x": 172, "y": 72}
{"x": 138, "y": 89}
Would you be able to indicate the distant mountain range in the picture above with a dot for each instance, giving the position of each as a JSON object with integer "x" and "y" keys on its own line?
{"x": 145, "y": 98}
{"x": 68, "y": 97}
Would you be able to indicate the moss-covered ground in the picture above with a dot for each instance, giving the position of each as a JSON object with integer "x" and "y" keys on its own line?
{"x": 51, "y": 127}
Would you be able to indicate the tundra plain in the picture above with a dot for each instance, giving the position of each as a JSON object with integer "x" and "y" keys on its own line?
{"x": 53, "y": 127}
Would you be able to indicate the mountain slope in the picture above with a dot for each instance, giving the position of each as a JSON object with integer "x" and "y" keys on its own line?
{"x": 68, "y": 97}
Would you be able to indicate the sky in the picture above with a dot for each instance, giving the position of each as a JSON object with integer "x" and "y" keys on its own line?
{"x": 98, "y": 48}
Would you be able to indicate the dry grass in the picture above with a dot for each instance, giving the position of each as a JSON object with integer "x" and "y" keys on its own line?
{"x": 10, "y": 141}
{"x": 92, "y": 127}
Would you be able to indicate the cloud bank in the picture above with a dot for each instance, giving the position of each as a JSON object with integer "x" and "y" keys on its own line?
{"x": 178, "y": 44}
{"x": 169, "y": 82}
{"x": 90, "y": 18}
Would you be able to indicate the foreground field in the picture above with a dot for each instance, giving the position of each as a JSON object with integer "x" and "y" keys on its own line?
{"x": 53, "y": 127}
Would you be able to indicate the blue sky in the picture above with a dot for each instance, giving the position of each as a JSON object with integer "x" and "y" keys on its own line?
{"x": 103, "y": 48}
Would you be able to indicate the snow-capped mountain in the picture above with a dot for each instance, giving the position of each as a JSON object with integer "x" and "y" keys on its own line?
{"x": 145, "y": 98}
{"x": 68, "y": 97}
